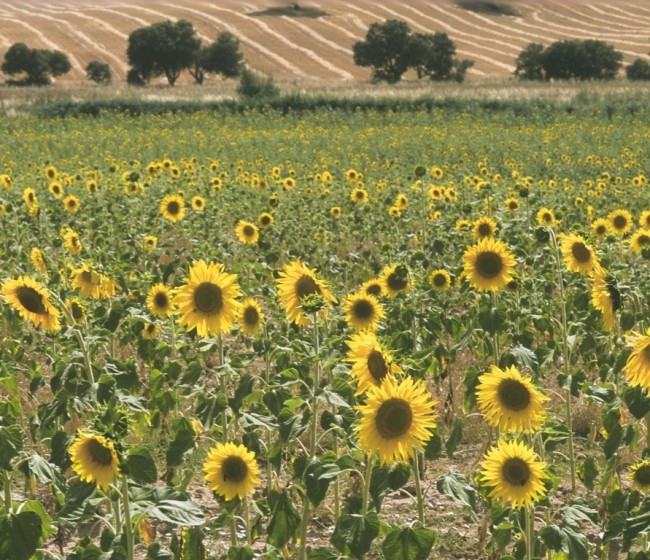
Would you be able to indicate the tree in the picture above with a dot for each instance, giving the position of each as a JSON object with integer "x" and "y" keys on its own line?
{"x": 432, "y": 54}
{"x": 252, "y": 86}
{"x": 38, "y": 64}
{"x": 99, "y": 72}
{"x": 221, "y": 57}
{"x": 588, "y": 59}
{"x": 529, "y": 62}
{"x": 638, "y": 70}
{"x": 387, "y": 49}
{"x": 163, "y": 48}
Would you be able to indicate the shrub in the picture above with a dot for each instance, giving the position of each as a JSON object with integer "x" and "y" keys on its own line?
{"x": 252, "y": 86}
{"x": 638, "y": 70}
{"x": 99, "y": 72}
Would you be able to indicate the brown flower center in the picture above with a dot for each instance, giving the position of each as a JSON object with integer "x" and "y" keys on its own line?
{"x": 249, "y": 231}
{"x": 439, "y": 280}
{"x": 173, "y": 207}
{"x": 265, "y": 220}
{"x": 234, "y": 469}
{"x": 581, "y": 252}
{"x": 374, "y": 289}
{"x": 363, "y": 309}
{"x": 99, "y": 454}
{"x": 489, "y": 264}
{"x": 161, "y": 300}
{"x": 642, "y": 476}
{"x": 643, "y": 240}
{"x": 515, "y": 472}
{"x": 513, "y": 395}
{"x": 548, "y": 218}
{"x": 31, "y": 300}
{"x": 377, "y": 365}
{"x": 620, "y": 222}
{"x": 601, "y": 230}
{"x": 394, "y": 418}
{"x": 208, "y": 298}
{"x": 396, "y": 282}
{"x": 306, "y": 285}
{"x": 251, "y": 316}
{"x": 484, "y": 229}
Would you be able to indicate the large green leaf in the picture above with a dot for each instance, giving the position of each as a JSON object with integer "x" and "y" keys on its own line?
{"x": 356, "y": 533}
{"x": 457, "y": 487}
{"x": 166, "y": 505}
{"x": 284, "y": 519}
{"x": 408, "y": 544}
{"x": 11, "y": 443}
{"x": 184, "y": 440}
{"x": 139, "y": 465}
{"x": 20, "y": 535}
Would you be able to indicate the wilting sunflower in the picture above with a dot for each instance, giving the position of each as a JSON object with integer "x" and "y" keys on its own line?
{"x": 578, "y": 255}
{"x": 77, "y": 310}
{"x": 265, "y": 220}
{"x": 620, "y": 221}
{"x": 605, "y": 296}
{"x": 640, "y": 475}
{"x": 644, "y": 219}
{"x": 395, "y": 279}
{"x": 640, "y": 239}
{"x": 373, "y": 287}
{"x": 600, "y": 228}
{"x": 150, "y": 331}
{"x": 31, "y": 299}
{"x": 371, "y": 364}
{"x": 56, "y": 189}
{"x": 440, "y": 280}
{"x": 397, "y": 418}
{"x": 71, "y": 241}
{"x": 38, "y": 260}
{"x": 359, "y": 195}
{"x": 92, "y": 283}
{"x": 294, "y": 283}
{"x": 150, "y": 242}
{"x": 637, "y": 367}
{"x": 159, "y": 300}
{"x": 94, "y": 459}
{"x": 231, "y": 470}
{"x": 510, "y": 401}
{"x": 208, "y": 301}
{"x": 514, "y": 473}
{"x": 250, "y": 316}
{"x": 545, "y": 217}
{"x": 488, "y": 265}
{"x": 247, "y": 232}
{"x": 198, "y": 203}
{"x": 172, "y": 208}
{"x": 484, "y": 227}
{"x": 363, "y": 311}
{"x": 71, "y": 204}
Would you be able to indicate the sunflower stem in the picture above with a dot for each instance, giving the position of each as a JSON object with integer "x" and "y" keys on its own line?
{"x": 233, "y": 530}
{"x": 495, "y": 338}
{"x": 7, "y": 491}
{"x": 80, "y": 339}
{"x": 530, "y": 532}
{"x": 224, "y": 388}
{"x": 172, "y": 328}
{"x": 314, "y": 406}
{"x": 247, "y": 521}
{"x": 418, "y": 487}
{"x": 647, "y": 429}
{"x": 117, "y": 516}
{"x": 366, "y": 484}
{"x": 128, "y": 528}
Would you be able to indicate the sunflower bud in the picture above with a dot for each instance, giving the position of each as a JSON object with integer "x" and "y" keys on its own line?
{"x": 312, "y": 303}
{"x": 542, "y": 235}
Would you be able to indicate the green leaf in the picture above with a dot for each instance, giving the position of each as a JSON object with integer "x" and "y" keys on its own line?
{"x": 525, "y": 357}
{"x": 139, "y": 465}
{"x": 184, "y": 440}
{"x": 355, "y": 532}
{"x": 11, "y": 443}
{"x": 238, "y": 553}
{"x": 551, "y": 536}
{"x": 492, "y": 320}
{"x": 46, "y": 473}
{"x": 284, "y": 519}
{"x": 588, "y": 471}
{"x": 408, "y": 544}
{"x": 457, "y": 487}
{"x": 455, "y": 437}
{"x": 192, "y": 547}
{"x": 637, "y": 401}
{"x": 323, "y": 553}
{"x": 615, "y": 526}
{"x": 157, "y": 552}
{"x": 20, "y": 535}
{"x": 166, "y": 505}
{"x": 77, "y": 504}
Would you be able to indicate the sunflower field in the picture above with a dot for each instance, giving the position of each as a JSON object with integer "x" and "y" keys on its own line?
{"x": 326, "y": 334}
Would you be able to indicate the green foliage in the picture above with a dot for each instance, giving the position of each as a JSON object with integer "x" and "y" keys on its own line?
{"x": 251, "y": 86}
{"x": 39, "y": 65}
{"x": 220, "y": 57}
{"x": 386, "y": 49}
{"x": 408, "y": 544}
{"x": 99, "y": 72}
{"x": 530, "y": 62}
{"x": 638, "y": 70}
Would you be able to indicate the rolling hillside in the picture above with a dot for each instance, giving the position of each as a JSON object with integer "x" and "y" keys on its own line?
{"x": 315, "y": 41}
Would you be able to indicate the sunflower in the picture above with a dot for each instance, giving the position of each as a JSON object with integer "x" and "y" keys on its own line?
{"x": 440, "y": 280}
{"x": 395, "y": 279}
{"x": 363, "y": 311}
{"x": 207, "y": 301}
{"x": 250, "y": 316}
{"x": 29, "y": 196}
{"x": 335, "y": 211}
{"x": 640, "y": 475}
{"x": 38, "y": 260}
{"x": 198, "y": 203}
{"x": 31, "y": 299}
{"x": 488, "y": 265}
{"x": 640, "y": 239}
{"x": 644, "y": 219}
{"x": 71, "y": 241}
{"x": 371, "y": 364}
{"x": 396, "y": 419}
{"x": 514, "y": 473}
{"x": 373, "y": 287}
{"x": 150, "y": 242}
{"x": 77, "y": 310}
{"x": 545, "y": 217}
{"x": 92, "y": 283}
{"x": 578, "y": 256}
{"x": 600, "y": 228}
{"x": 359, "y": 195}
{"x": 150, "y": 331}
{"x": 620, "y": 221}
{"x": 510, "y": 401}
{"x": 512, "y": 205}
{"x": 637, "y": 367}
{"x": 71, "y": 204}
{"x": 265, "y": 220}
{"x": 294, "y": 283}
{"x": 247, "y": 232}
{"x": 401, "y": 201}
{"x": 231, "y": 470}
{"x": 159, "y": 300}
{"x": 462, "y": 226}
{"x": 289, "y": 183}
{"x": 91, "y": 186}
{"x": 51, "y": 173}
{"x": 351, "y": 175}
{"x": 605, "y": 296}
{"x": 172, "y": 208}
{"x": 94, "y": 459}
{"x": 484, "y": 227}
{"x": 56, "y": 189}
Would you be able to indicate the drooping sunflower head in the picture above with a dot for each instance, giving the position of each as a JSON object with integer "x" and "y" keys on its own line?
{"x": 396, "y": 419}
{"x": 208, "y": 301}
{"x": 94, "y": 459}
{"x": 639, "y": 240}
{"x": 510, "y": 401}
{"x": 150, "y": 331}
{"x": 637, "y": 367}
{"x": 546, "y": 217}
{"x": 172, "y": 207}
{"x": 92, "y": 283}
{"x": 484, "y": 227}
{"x": 644, "y": 219}
{"x": 371, "y": 364}
{"x": 231, "y": 470}
{"x": 159, "y": 300}
{"x": 247, "y": 232}
{"x": 363, "y": 311}
{"x": 513, "y": 472}
{"x": 294, "y": 283}
{"x": 488, "y": 265}
{"x": 605, "y": 296}
{"x": 71, "y": 241}
{"x": 265, "y": 220}
{"x": 31, "y": 299}
{"x": 600, "y": 228}
{"x": 440, "y": 280}
{"x": 77, "y": 310}
{"x": 620, "y": 221}
{"x": 38, "y": 260}
{"x": 395, "y": 279}
{"x": 71, "y": 204}
{"x": 250, "y": 316}
{"x": 640, "y": 475}
{"x": 578, "y": 255}
{"x": 198, "y": 203}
